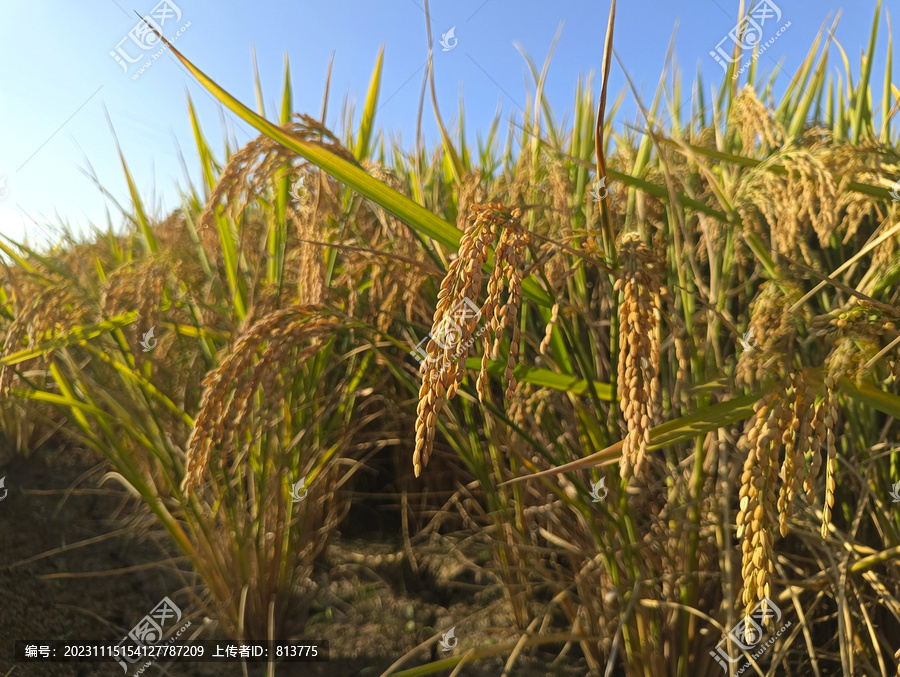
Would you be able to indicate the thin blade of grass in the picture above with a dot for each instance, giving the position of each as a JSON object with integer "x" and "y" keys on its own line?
{"x": 679, "y": 430}
{"x": 364, "y": 137}
{"x": 862, "y": 91}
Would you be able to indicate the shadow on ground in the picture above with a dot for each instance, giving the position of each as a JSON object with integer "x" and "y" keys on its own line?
{"x": 372, "y": 606}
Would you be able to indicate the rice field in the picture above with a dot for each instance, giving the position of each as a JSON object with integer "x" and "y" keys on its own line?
{"x": 640, "y": 379}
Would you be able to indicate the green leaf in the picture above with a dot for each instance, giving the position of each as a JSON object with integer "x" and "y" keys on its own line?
{"x": 862, "y": 90}
{"x": 76, "y": 335}
{"x": 353, "y": 175}
{"x": 887, "y": 403}
{"x": 203, "y": 151}
{"x": 761, "y": 254}
{"x": 364, "y": 137}
{"x": 148, "y": 237}
{"x": 544, "y": 378}
{"x": 679, "y": 430}
{"x": 809, "y": 93}
{"x": 885, "y": 135}
{"x": 11, "y": 253}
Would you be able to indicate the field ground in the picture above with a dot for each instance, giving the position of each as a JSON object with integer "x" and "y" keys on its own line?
{"x": 371, "y": 612}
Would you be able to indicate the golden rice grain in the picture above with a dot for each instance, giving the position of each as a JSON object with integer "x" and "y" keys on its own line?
{"x": 790, "y": 477}
{"x": 638, "y": 369}
{"x": 43, "y": 311}
{"x": 754, "y": 120}
{"x": 264, "y": 349}
{"x": 548, "y": 332}
{"x": 757, "y": 496}
{"x": 830, "y": 425}
{"x": 444, "y": 370}
{"x": 786, "y": 419}
{"x": 806, "y": 195}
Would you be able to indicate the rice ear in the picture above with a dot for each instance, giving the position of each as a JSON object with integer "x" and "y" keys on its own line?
{"x": 444, "y": 369}
{"x": 265, "y": 349}
{"x": 639, "y": 339}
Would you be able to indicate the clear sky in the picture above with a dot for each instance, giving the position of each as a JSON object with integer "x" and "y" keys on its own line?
{"x": 58, "y": 80}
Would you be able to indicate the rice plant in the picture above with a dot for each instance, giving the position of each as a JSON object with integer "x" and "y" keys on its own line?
{"x": 697, "y": 316}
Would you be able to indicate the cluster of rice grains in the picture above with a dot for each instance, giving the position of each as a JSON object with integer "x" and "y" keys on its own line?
{"x": 264, "y": 359}
{"x": 759, "y": 131}
{"x": 247, "y": 176}
{"x": 639, "y": 339}
{"x": 790, "y": 418}
{"x": 774, "y": 333}
{"x": 457, "y": 316}
{"x": 807, "y": 195}
{"x": 392, "y": 259}
{"x": 795, "y": 428}
{"x": 138, "y": 286}
{"x": 41, "y": 312}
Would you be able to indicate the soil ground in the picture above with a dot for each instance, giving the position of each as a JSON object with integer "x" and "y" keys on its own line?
{"x": 372, "y": 610}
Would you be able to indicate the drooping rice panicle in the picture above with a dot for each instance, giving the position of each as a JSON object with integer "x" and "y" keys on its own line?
{"x": 457, "y": 315}
{"x": 638, "y": 369}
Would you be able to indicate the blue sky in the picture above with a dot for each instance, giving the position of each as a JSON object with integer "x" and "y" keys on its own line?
{"x": 58, "y": 81}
